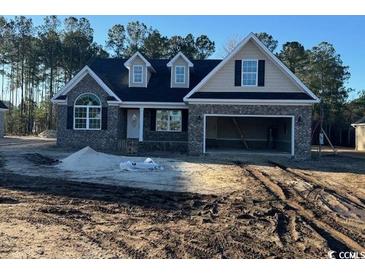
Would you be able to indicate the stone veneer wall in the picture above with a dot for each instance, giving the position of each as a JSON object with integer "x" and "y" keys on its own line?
{"x": 2, "y": 124}
{"x": 302, "y": 140}
{"x": 161, "y": 141}
{"x": 109, "y": 139}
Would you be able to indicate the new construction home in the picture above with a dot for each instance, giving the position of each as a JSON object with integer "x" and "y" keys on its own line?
{"x": 247, "y": 102}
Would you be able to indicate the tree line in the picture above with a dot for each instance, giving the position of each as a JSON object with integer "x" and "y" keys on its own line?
{"x": 36, "y": 61}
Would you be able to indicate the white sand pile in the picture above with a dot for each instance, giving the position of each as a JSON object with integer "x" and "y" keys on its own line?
{"x": 89, "y": 160}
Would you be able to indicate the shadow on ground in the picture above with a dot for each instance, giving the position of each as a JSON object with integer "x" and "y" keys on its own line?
{"x": 126, "y": 196}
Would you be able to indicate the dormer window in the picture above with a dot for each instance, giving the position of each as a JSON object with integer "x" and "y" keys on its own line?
{"x": 140, "y": 71}
{"x": 137, "y": 74}
{"x": 179, "y": 75}
{"x": 249, "y": 72}
{"x": 180, "y": 67}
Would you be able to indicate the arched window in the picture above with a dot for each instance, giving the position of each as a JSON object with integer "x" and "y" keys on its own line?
{"x": 87, "y": 112}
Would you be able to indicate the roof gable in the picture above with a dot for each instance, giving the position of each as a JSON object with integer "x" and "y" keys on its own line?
{"x": 177, "y": 56}
{"x": 129, "y": 62}
{"x": 59, "y": 96}
{"x": 259, "y": 47}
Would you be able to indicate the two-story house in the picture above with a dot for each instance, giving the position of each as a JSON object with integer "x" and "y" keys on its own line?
{"x": 247, "y": 102}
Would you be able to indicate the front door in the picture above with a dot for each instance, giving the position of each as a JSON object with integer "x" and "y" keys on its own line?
{"x": 133, "y": 123}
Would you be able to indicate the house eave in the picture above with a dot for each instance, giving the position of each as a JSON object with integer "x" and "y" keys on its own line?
{"x": 356, "y": 125}
{"x": 250, "y": 102}
{"x": 127, "y": 104}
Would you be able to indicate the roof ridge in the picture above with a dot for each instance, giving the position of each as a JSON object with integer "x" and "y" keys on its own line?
{"x": 149, "y": 59}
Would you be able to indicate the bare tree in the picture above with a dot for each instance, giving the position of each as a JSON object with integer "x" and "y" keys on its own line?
{"x": 230, "y": 44}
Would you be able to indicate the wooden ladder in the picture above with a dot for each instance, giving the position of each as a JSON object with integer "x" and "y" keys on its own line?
{"x": 240, "y": 132}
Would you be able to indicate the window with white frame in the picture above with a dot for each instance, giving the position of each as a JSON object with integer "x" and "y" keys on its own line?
{"x": 137, "y": 74}
{"x": 249, "y": 72}
{"x": 168, "y": 120}
{"x": 87, "y": 112}
{"x": 179, "y": 75}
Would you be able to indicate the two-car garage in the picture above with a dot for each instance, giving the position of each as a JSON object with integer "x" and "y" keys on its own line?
{"x": 265, "y": 134}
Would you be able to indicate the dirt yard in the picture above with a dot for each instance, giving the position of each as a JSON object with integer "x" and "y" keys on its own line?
{"x": 282, "y": 209}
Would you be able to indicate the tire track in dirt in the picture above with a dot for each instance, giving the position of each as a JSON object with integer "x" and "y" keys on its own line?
{"x": 319, "y": 188}
{"x": 334, "y": 237}
{"x": 346, "y": 197}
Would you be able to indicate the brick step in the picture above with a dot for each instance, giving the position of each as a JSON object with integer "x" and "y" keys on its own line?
{"x": 130, "y": 146}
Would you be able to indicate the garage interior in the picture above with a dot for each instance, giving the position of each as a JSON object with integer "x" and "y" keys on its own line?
{"x": 249, "y": 134}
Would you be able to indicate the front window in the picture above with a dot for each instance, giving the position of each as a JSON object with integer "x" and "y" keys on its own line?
{"x": 87, "y": 112}
{"x": 168, "y": 120}
{"x": 179, "y": 75}
{"x": 137, "y": 74}
{"x": 249, "y": 72}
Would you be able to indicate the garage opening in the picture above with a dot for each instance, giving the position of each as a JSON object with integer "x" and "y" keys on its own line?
{"x": 249, "y": 134}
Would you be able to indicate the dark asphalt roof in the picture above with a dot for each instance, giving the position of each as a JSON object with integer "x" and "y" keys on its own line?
{"x": 2, "y": 105}
{"x": 360, "y": 121}
{"x": 115, "y": 75}
{"x": 252, "y": 95}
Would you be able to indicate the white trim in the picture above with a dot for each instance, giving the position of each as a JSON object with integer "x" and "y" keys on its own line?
{"x": 249, "y": 102}
{"x": 87, "y": 112}
{"x": 359, "y": 124}
{"x": 113, "y": 103}
{"x": 180, "y": 83}
{"x": 77, "y": 78}
{"x": 141, "y": 115}
{"x": 292, "y": 153}
{"x": 133, "y": 79}
{"x": 87, "y": 117}
{"x": 293, "y": 135}
{"x": 153, "y": 105}
{"x": 128, "y": 63}
{"x": 87, "y": 93}
{"x": 58, "y": 101}
{"x": 4, "y": 109}
{"x": 269, "y": 54}
{"x": 179, "y": 54}
{"x": 205, "y": 132}
{"x": 257, "y": 72}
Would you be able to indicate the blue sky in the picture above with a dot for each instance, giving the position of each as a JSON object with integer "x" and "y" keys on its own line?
{"x": 346, "y": 33}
